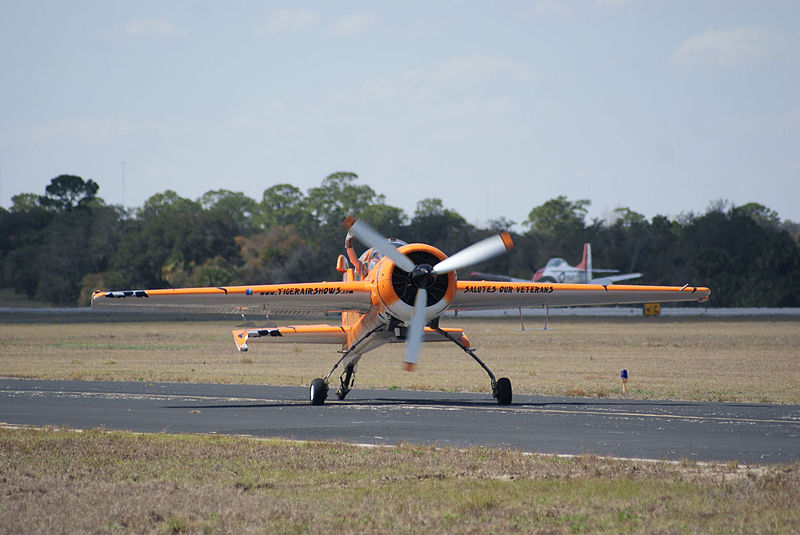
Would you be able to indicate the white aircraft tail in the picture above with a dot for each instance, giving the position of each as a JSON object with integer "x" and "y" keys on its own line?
{"x": 602, "y": 278}
{"x": 586, "y": 262}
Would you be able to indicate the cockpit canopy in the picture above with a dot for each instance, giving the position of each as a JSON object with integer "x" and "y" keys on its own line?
{"x": 556, "y": 262}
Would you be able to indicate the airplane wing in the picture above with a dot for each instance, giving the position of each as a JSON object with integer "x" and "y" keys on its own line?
{"x": 498, "y": 278}
{"x": 616, "y": 278}
{"x": 484, "y": 295}
{"x": 314, "y": 299}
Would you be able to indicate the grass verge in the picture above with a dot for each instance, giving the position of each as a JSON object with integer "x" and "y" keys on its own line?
{"x": 95, "y": 481}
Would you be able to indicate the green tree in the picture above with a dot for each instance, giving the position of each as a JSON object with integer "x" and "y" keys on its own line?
{"x": 442, "y": 227}
{"x": 338, "y": 196}
{"x": 66, "y": 192}
{"x": 171, "y": 235}
{"x": 278, "y": 254}
{"x": 501, "y": 224}
{"x": 758, "y": 213}
{"x": 52, "y": 241}
{"x": 281, "y": 205}
{"x": 25, "y": 202}
{"x": 621, "y": 244}
{"x": 559, "y": 227}
{"x": 558, "y": 217}
{"x": 22, "y": 234}
{"x": 167, "y": 202}
{"x": 237, "y": 207}
{"x": 388, "y": 220}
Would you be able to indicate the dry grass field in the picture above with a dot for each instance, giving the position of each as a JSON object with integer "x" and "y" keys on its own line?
{"x": 742, "y": 360}
{"x": 58, "y": 481}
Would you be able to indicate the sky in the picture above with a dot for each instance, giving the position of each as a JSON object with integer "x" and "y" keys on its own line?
{"x": 493, "y": 107}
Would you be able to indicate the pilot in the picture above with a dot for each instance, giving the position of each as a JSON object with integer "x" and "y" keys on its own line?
{"x": 361, "y": 268}
{"x": 369, "y": 259}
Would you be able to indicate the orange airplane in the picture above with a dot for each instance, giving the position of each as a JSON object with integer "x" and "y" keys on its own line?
{"x": 394, "y": 292}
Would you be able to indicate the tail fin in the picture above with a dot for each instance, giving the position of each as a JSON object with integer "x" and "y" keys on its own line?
{"x": 586, "y": 262}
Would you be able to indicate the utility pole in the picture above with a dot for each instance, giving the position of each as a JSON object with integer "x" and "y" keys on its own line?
{"x": 122, "y": 165}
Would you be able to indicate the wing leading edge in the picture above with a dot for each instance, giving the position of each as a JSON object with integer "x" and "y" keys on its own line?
{"x": 487, "y": 295}
{"x": 315, "y": 298}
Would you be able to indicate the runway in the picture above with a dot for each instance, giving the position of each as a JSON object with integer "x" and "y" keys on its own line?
{"x": 608, "y": 427}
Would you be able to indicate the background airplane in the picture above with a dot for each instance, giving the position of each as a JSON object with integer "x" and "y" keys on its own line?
{"x": 558, "y": 270}
{"x": 398, "y": 296}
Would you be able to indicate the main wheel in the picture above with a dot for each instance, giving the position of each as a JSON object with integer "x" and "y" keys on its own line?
{"x": 318, "y": 392}
{"x": 503, "y": 392}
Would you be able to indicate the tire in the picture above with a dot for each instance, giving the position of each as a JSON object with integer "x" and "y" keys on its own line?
{"x": 546, "y": 279}
{"x": 318, "y": 392}
{"x": 503, "y": 391}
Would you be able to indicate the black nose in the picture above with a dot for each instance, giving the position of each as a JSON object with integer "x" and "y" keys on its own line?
{"x": 422, "y": 277}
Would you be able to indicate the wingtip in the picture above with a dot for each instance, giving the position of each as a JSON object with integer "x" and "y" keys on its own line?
{"x": 240, "y": 337}
{"x": 349, "y": 221}
{"x": 409, "y": 366}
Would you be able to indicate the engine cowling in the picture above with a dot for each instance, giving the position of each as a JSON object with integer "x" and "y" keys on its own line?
{"x": 397, "y": 289}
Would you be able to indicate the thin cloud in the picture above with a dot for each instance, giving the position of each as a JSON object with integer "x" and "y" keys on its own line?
{"x": 291, "y": 21}
{"x": 549, "y": 8}
{"x": 609, "y": 4}
{"x": 352, "y": 25}
{"x": 411, "y": 85}
{"x": 471, "y": 67}
{"x": 83, "y": 129}
{"x": 149, "y": 27}
{"x": 425, "y": 85}
{"x": 728, "y": 47}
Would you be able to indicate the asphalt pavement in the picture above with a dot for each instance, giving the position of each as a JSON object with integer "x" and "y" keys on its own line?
{"x": 669, "y": 430}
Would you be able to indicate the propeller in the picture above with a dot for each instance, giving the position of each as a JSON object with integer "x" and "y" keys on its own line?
{"x": 423, "y": 276}
{"x": 475, "y": 253}
{"x": 416, "y": 330}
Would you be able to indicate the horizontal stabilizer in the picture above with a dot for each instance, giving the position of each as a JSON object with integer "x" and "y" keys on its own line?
{"x": 611, "y": 279}
{"x": 324, "y": 334}
{"x": 302, "y": 334}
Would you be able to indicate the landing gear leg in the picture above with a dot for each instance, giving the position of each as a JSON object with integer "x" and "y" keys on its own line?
{"x": 347, "y": 379}
{"x": 501, "y": 388}
{"x": 318, "y": 392}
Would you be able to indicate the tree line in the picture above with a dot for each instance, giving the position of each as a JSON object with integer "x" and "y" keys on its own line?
{"x": 59, "y": 246}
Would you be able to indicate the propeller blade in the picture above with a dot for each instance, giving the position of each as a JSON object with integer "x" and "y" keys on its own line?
{"x": 416, "y": 330}
{"x": 372, "y": 238}
{"x": 475, "y": 253}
